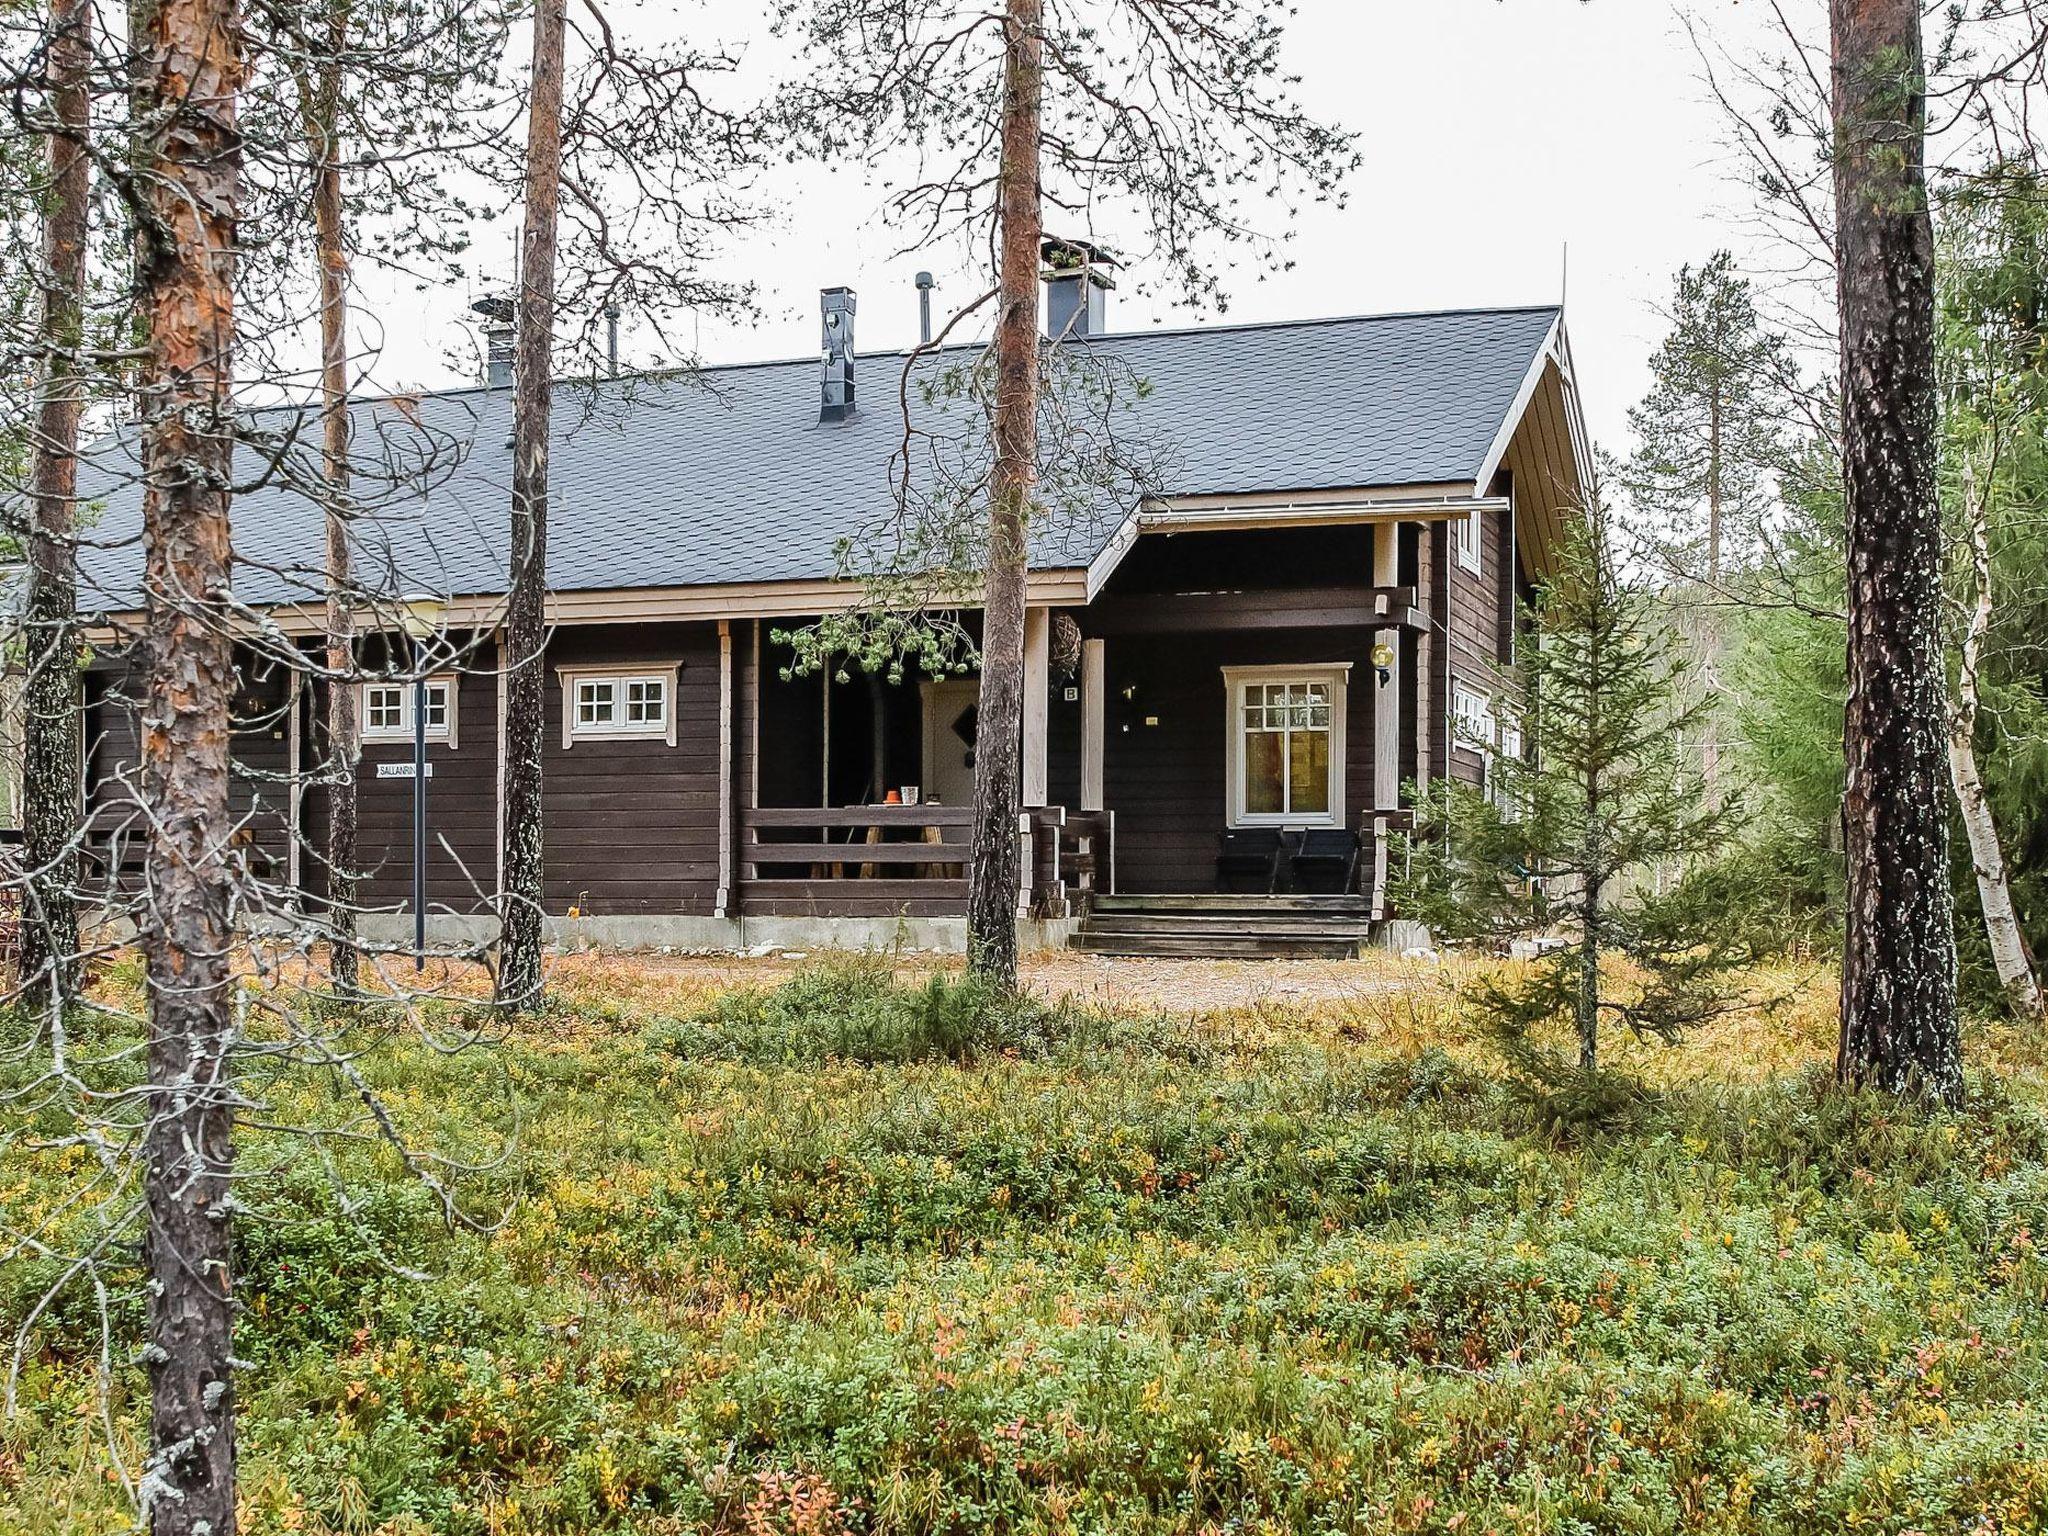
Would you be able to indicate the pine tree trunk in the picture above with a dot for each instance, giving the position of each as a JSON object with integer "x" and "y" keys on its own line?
{"x": 192, "y": 76}
{"x": 2009, "y": 953}
{"x": 343, "y": 747}
{"x": 993, "y": 889}
{"x": 519, "y": 953}
{"x": 1899, "y": 1025}
{"x": 1586, "y": 1007}
{"x": 1710, "y": 740}
{"x": 51, "y": 790}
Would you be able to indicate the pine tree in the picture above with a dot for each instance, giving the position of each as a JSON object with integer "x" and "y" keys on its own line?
{"x": 1566, "y": 830}
{"x": 1900, "y": 1030}
{"x": 1709, "y": 433}
{"x": 1167, "y": 113}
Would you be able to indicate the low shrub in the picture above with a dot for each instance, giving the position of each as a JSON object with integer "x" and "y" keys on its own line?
{"x": 853, "y": 1008}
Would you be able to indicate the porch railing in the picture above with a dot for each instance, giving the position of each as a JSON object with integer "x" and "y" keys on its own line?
{"x": 910, "y": 860}
{"x": 859, "y": 861}
{"x": 1071, "y": 858}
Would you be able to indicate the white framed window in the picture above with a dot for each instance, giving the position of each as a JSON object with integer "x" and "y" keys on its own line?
{"x": 1467, "y": 537}
{"x": 635, "y": 701}
{"x": 1510, "y": 804}
{"x": 1473, "y": 727}
{"x": 384, "y": 710}
{"x": 1285, "y": 734}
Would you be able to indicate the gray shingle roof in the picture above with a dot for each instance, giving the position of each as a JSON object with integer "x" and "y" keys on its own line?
{"x": 728, "y": 477}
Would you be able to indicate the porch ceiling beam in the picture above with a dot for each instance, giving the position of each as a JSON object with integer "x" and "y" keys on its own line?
{"x": 1206, "y": 514}
{"x": 1306, "y": 608}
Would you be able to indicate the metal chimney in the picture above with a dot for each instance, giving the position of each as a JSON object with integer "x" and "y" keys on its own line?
{"x": 500, "y": 336}
{"x": 925, "y": 284}
{"x": 836, "y": 399}
{"x": 1076, "y": 274}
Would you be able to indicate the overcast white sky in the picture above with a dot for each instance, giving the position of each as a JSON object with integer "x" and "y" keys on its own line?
{"x": 1495, "y": 133}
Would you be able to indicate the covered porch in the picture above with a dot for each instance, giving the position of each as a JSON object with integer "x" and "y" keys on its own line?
{"x": 1200, "y": 727}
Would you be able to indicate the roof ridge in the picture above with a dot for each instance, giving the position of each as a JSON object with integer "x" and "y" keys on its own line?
{"x": 685, "y": 373}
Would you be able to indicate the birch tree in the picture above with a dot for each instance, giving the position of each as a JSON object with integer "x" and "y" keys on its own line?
{"x": 1164, "y": 115}
{"x": 1899, "y": 1027}
{"x": 1994, "y": 283}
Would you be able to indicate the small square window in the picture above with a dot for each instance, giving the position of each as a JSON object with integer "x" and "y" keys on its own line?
{"x": 646, "y": 701}
{"x": 384, "y": 709}
{"x": 596, "y": 701}
{"x": 385, "y": 712}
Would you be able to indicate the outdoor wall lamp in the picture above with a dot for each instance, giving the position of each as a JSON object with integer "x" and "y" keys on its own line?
{"x": 1383, "y": 662}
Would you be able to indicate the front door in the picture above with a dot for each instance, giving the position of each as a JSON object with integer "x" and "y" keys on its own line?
{"x": 949, "y": 735}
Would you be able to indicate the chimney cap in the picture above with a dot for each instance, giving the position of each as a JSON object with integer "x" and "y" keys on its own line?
{"x": 926, "y": 280}
{"x": 493, "y": 306}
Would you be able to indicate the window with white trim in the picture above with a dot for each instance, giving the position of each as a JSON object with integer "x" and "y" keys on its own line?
{"x": 1473, "y": 726}
{"x": 384, "y": 712}
{"x": 1510, "y": 803}
{"x": 1286, "y": 742}
{"x": 612, "y": 703}
{"x": 1467, "y": 539}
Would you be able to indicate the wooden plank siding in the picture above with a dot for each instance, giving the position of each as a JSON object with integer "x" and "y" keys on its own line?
{"x": 462, "y": 806}
{"x": 259, "y": 790}
{"x": 632, "y": 825}
{"x": 1475, "y": 623}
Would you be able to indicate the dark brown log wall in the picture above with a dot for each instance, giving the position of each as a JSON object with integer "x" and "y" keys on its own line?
{"x": 632, "y": 825}
{"x": 462, "y": 798}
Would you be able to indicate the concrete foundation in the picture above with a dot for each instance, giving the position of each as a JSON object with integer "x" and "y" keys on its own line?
{"x": 725, "y": 935}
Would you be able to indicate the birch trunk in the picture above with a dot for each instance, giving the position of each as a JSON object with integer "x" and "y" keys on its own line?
{"x": 521, "y": 931}
{"x": 192, "y": 74}
{"x": 344, "y": 750}
{"x": 1899, "y": 1023}
{"x": 2009, "y": 954}
{"x": 52, "y": 793}
{"x": 993, "y": 876}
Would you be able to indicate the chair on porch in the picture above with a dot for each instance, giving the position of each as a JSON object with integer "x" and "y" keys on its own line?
{"x": 1326, "y": 862}
{"x": 1249, "y": 853}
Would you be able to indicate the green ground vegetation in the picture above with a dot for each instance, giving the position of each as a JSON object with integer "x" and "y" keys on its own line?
{"x": 856, "y": 1258}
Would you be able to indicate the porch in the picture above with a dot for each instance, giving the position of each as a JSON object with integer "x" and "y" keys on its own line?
{"x": 1198, "y": 729}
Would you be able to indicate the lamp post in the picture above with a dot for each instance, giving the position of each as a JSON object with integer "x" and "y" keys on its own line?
{"x": 422, "y": 615}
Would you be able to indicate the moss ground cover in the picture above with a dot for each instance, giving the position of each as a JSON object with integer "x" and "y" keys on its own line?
{"x": 858, "y": 1258}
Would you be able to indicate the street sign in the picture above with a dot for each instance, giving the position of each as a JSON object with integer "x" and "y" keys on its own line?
{"x": 400, "y": 770}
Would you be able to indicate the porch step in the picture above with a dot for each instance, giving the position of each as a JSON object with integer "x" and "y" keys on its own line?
{"x": 1227, "y": 927}
{"x": 1318, "y": 906}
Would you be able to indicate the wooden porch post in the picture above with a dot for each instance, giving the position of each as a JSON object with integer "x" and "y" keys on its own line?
{"x": 1386, "y": 715}
{"x": 1093, "y": 686}
{"x": 723, "y": 902}
{"x": 1037, "y": 685}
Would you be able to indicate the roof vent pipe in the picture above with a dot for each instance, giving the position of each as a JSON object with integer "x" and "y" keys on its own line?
{"x": 499, "y": 338}
{"x": 1076, "y": 274}
{"x": 611, "y": 338}
{"x": 836, "y": 399}
{"x": 925, "y": 284}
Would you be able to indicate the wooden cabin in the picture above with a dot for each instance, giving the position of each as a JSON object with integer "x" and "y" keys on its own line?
{"x": 1300, "y": 611}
